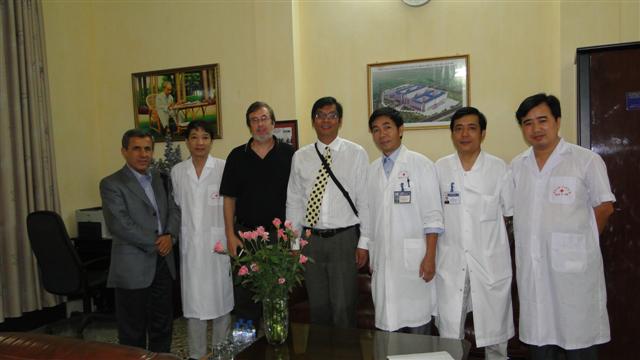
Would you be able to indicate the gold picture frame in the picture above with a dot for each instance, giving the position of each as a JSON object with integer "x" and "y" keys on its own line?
{"x": 426, "y": 91}
{"x": 194, "y": 95}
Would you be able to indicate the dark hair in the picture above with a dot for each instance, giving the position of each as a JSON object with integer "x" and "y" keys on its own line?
{"x": 390, "y": 112}
{"x": 200, "y": 124}
{"x": 137, "y": 133}
{"x": 257, "y": 105}
{"x": 468, "y": 110}
{"x": 534, "y": 100}
{"x": 322, "y": 102}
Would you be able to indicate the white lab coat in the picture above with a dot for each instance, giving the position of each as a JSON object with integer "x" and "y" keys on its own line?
{"x": 475, "y": 241}
{"x": 207, "y": 289}
{"x": 560, "y": 275}
{"x": 397, "y": 242}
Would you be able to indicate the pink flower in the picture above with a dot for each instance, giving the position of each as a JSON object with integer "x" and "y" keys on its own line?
{"x": 218, "y": 247}
{"x": 253, "y": 235}
{"x": 281, "y": 281}
{"x": 303, "y": 243}
{"x": 303, "y": 259}
{"x": 307, "y": 233}
{"x": 243, "y": 271}
{"x": 245, "y": 235}
{"x": 254, "y": 267}
{"x": 276, "y": 222}
{"x": 260, "y": 231}
{"x": 265, "y": 236}
{"x": 280, "y": 233}
{"x": 288, "y": 224}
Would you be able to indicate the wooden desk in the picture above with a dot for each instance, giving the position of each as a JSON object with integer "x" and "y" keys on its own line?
{"x": 190, "y": 107}
{"x": 318, "y": 342}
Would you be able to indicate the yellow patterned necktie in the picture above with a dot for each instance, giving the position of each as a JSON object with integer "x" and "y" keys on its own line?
{"x": 315, "y": 199}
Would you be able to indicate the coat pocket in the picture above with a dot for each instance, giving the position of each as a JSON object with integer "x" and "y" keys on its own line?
{"x": 414, "y": 251}
{"x": 218, "y": 234}
{"x": 568, "y": 252}
{"x": 489, "y": 208}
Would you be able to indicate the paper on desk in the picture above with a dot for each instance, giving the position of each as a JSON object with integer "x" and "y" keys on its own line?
{"x": 440, "y": 355}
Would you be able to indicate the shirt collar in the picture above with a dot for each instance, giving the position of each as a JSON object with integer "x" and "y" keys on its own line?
{"x": 334, "y": 145}
{"x": 394, "y": 155}
{"x": 208, "y": 164}
{"x": 476, "y": 164}
{"x": 140, "y": 177}
{"x": 561, "y": 148}
{"x": 247, "y": 146}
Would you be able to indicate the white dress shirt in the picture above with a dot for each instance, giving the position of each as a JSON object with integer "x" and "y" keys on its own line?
{"x": 349, "y": 162}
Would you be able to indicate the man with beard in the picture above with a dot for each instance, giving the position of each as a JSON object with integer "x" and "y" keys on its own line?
{"x": 254, "y": 186}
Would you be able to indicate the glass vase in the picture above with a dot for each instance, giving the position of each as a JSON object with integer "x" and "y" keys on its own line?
{"x": 276, "y": 320}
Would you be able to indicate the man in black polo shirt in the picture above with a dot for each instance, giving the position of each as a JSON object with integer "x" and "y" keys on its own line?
{"x": 254, "y": 186}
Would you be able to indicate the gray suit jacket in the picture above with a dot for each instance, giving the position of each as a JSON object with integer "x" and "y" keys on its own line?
{"x": 131, "y": 219}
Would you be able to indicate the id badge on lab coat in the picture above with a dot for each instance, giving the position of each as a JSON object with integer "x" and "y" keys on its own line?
{"x": 402, "y": 197}
{"x": 452, "y": 198}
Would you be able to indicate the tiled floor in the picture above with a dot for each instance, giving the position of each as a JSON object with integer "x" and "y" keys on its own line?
{"x": 105, "y": 331}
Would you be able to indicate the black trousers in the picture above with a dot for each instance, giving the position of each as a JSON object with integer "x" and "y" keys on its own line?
{"x": 147, "y": 312}
{"x": 554, "y": 352}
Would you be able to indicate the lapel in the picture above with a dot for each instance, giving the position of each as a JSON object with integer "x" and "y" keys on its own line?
{"x": 399, "y": 165}
{"x": 134, "y": 186}
{"x": 206, "y": 170}
{"x": 161, "y": 195}
{"x": 474, "y": 177}
{"x": 556, "y": 157}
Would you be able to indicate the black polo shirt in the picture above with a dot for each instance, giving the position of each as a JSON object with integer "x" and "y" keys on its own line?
{"x": 259, "y": 185}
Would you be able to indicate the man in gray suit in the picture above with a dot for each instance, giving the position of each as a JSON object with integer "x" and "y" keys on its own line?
{"x": 143, "y": 220}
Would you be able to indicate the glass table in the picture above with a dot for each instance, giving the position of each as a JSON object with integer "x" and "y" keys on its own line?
{"x": 307, "y": 341}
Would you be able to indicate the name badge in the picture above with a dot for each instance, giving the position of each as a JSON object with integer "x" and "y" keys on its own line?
{"x": 402, "y": 197}
{"x": 452, "y": 197}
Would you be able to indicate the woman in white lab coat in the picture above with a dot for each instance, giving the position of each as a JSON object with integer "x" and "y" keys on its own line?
{"x": 207, "y": 289}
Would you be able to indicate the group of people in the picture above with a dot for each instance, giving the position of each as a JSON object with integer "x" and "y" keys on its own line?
{"x": 433, "y": 234}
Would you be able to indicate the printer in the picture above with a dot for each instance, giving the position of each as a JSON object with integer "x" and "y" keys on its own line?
{"x": 91, "y": 224}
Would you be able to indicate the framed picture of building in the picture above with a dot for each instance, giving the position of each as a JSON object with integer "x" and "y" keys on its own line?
{"x": 165, "y": 101}
{"x": 287, "y": 131}
{"x": 426, "y": 91}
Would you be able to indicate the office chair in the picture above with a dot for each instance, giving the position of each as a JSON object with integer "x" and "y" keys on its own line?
{"x": 61, "y": 270}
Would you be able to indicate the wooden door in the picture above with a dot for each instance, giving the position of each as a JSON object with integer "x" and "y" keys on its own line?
{"x": 609, "y": 124}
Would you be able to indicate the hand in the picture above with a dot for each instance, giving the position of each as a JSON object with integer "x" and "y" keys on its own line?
{"x": 164, "y": 244}
{"x": 233, "y": 241}
{"x": 427, "y": 268}
{"x": 362, "y": 255}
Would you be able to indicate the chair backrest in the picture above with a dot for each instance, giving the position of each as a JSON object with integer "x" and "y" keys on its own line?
{"x": 60, "y": 268}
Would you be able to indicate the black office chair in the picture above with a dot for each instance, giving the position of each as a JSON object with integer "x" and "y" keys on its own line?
{"x": 61, "y": 271}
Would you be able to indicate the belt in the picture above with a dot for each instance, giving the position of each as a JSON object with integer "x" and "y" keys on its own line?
{"x": 325, "y": 233}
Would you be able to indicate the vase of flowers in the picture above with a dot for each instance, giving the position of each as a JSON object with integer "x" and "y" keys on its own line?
{"x": 271, "y": 270}
{"x": 276, "y": 320}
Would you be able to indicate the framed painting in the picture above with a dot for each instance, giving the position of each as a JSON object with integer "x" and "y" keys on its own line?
{"x": 165, "y": 101}
{"x": 287, "y": 131}
{"x": 426, "y": 91}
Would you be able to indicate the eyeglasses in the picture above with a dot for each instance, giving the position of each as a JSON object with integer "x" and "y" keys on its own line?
{"x": 326, "y": 116}
{"x": 263, "y": 118}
